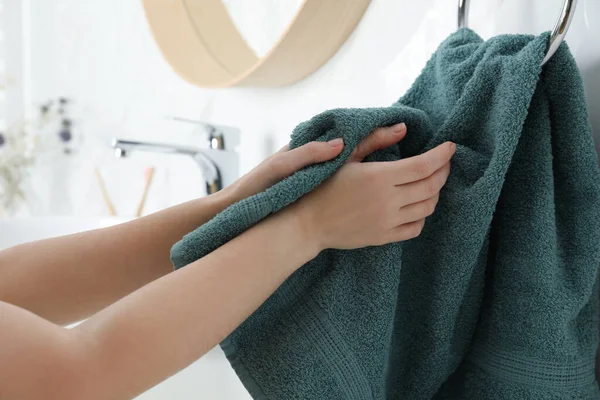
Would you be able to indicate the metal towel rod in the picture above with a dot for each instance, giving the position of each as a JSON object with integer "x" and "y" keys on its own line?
{"x": 558, "y": 34}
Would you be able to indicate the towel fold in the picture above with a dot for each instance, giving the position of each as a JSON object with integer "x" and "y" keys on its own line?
{"x": 496, "y": 299}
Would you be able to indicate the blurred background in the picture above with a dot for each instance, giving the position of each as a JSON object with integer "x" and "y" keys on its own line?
{"x": 76, "y": 74}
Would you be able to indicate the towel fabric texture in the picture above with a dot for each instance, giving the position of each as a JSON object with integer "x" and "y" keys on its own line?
{"x": 498, "y": 296}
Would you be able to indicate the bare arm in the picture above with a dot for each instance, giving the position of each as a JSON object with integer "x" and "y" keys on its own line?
{"x": 165, "y": 326}
{"x": 154, "y": 332}
{"x": 67, "y": 279}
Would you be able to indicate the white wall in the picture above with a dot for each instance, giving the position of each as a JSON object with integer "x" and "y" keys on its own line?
{"x": 11, "y": 61}
{"x": 101, "y": 54}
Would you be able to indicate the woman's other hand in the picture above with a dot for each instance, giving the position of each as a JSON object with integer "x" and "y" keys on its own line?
{"x": 286, "y": 162}
{"x": 367, "y": 204}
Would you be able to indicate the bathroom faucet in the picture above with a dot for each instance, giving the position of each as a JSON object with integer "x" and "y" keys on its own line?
{"x": 219, "y": 166}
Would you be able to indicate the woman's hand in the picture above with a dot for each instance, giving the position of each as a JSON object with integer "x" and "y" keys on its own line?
{"x": 367, "y": 204}
{"x": 286, "y": 162}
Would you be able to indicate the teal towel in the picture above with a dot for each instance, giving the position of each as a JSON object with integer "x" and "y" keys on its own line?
{"x": 496, "y": 299}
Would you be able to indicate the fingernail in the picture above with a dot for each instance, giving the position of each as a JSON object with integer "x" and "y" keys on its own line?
{"x": 452, "y": 146}
{"x": 399, "y": 127}
{"x": 336, "y": 142}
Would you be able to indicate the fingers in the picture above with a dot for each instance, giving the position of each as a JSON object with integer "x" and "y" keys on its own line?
{"x": 417, "y": 211}
{"x": 412, "y": 220}
{"x": 315, "y": 152}
{"x": 379, "y": 139}
{"x": 286, "y": 162}
{"x": 425, "y": 188}
{"x": 422, "y": 166}
{"x": 406, "y": 231}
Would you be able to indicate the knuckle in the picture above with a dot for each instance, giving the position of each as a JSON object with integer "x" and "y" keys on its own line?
{"x": 431, "y": 209}
{"x": 441, "y": 181}
{"x": 276, "y": 161}
{"x": 402, "y": 236}
{"x": 406, "y": 234}
{"x": 359, "y": 149}
{"x": 379, "y": 133}
{"x": 313, "y": 147}
{"x": 416, "y": 229}
{"x": 428, "y": 208}
{"x": 431, "y": 187}
{"x": 281, "y": 163}
{"x": 445, "y": 172}
{"x": 422, "y": 167}
{"x": 311, "y": 153}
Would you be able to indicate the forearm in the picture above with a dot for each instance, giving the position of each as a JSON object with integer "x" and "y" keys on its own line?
{"x": 69, "y": 278}
{"x": 155, "y": 331}
{"x": 168, "y": 324}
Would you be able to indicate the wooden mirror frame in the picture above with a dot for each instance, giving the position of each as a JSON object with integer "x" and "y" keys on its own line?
{"x": 200, "y": 41}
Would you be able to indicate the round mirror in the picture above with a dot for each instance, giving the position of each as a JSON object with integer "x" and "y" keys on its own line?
{"x": 222, "y": 43}
{"x": 262, "y": 22}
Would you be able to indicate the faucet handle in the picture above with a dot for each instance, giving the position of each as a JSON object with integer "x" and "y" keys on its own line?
{"x": 220, "y": 137}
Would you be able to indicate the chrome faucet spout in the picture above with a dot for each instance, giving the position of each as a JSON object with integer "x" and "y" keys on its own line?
{"x": 209, "y": 168}
{"x": 122, "y": 147}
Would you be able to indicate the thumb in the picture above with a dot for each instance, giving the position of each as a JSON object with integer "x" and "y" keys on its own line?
{"x": 379, "y": 139}
{"x": 291, "y": 161}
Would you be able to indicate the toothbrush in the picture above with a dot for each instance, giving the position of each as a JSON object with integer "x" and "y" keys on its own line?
{"x": 111, "y": 208}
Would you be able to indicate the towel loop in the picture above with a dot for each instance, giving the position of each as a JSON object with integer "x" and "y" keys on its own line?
{"x": 558, "y": 34}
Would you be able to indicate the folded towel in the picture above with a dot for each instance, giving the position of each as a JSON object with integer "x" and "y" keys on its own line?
{"x": 496, "y": 299}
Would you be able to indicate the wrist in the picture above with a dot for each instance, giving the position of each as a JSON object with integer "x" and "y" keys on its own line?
{"x": 224, "y": 198}
{"x": 203, "y": 209}
{"x": 305, "y": 228}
